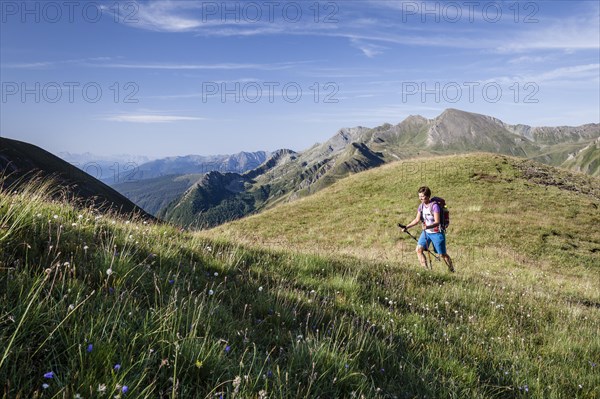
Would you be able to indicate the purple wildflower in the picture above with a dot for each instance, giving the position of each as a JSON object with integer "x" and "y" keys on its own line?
{"x": 49, "y": 374}
{"x": 90, "y": 347}
{"x": 125, "y": 389}
{"x": 227, "y": 349}
{"x": 117, "y": 367}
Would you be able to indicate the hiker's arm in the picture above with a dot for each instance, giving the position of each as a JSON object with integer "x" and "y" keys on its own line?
{"x": 414, "y": 222}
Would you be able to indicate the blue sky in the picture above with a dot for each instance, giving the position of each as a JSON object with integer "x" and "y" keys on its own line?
{"x": 164, "y": 78}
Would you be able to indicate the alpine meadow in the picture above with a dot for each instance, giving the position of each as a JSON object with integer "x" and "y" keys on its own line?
{"x": 333, "y": 304}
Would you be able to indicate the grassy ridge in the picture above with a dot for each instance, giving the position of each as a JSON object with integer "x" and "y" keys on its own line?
{"x": 502, "y": 208}
{"x": 184, "y": 316}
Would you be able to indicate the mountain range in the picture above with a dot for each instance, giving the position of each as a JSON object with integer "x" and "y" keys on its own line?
{"x": 155, "y": 184}
{"x": 192, "y": 164}
{"x": 124, "y": 168}
{"x": 220, "y": 197}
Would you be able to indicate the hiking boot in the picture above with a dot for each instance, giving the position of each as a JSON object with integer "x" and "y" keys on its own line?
{"x": 451, "y": 268}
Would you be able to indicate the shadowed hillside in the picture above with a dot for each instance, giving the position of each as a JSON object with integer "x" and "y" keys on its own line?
{"x": 21, "y": 162}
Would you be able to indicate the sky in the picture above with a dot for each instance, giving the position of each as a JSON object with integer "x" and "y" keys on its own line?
{"x": 165, "y": 78}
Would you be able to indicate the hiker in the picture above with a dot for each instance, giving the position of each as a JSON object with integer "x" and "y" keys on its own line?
{"x": 429, "y": 214}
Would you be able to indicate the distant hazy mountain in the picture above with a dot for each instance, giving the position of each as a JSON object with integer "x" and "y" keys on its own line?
{"x": 193, "y": 164}
{"x": 90, "y": 157}
{"x": 20, "y": 162}
{"x": 124, "y": 168}
{"x": 287, "y": 175}
{"x": 106, "y": 168}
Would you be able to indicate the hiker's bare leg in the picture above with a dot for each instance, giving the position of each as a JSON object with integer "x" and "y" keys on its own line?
{"x": 421, "y": 256}
{"x": 448, "y": 262}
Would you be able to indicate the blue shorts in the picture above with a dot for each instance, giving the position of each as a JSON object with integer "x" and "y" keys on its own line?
{"x": 438, "y": 240}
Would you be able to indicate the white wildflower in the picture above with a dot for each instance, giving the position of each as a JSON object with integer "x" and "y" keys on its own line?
{"x": 236, "y": 384}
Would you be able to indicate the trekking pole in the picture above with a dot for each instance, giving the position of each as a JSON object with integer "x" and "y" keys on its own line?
{"x": 424, "y": 249}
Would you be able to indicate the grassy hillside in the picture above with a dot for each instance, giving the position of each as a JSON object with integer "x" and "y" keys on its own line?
{"x": 496, "y": 202}
{"x": 93, "y": 305}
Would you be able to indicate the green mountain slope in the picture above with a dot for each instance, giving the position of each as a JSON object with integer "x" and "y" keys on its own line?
{"x": 100, "y": 305}
{"x": 154, "y": 194}
{"x": 586, "y": 159}
{"x": 215, "y": 199}
{"x": 21, "y": 162}
{"x": 488, "y": 196}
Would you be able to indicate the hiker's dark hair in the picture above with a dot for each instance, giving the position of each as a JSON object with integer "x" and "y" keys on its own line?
{"x": 425, "y": 190}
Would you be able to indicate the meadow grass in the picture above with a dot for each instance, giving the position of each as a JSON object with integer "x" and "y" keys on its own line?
{"x": 97, "y": 305}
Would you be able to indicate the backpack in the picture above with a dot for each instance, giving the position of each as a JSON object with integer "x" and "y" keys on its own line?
{"x": 444, "y": 212}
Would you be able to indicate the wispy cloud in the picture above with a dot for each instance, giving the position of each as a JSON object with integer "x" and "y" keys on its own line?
{"x": 163, "y": 16}
{"x": 528, "y": 59}
{"x": 576, "y": 73}
{"x": 564, "y": 34}
{"x": 57, "y": 63}
{"x": 388, "y": 23}
{"x": 226, "y": 18}
{"x": 368, "y": 49}
{"x": 218, "y": 66}
{"x": 100, "y": 62}
{"x": 150, "y": 118}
